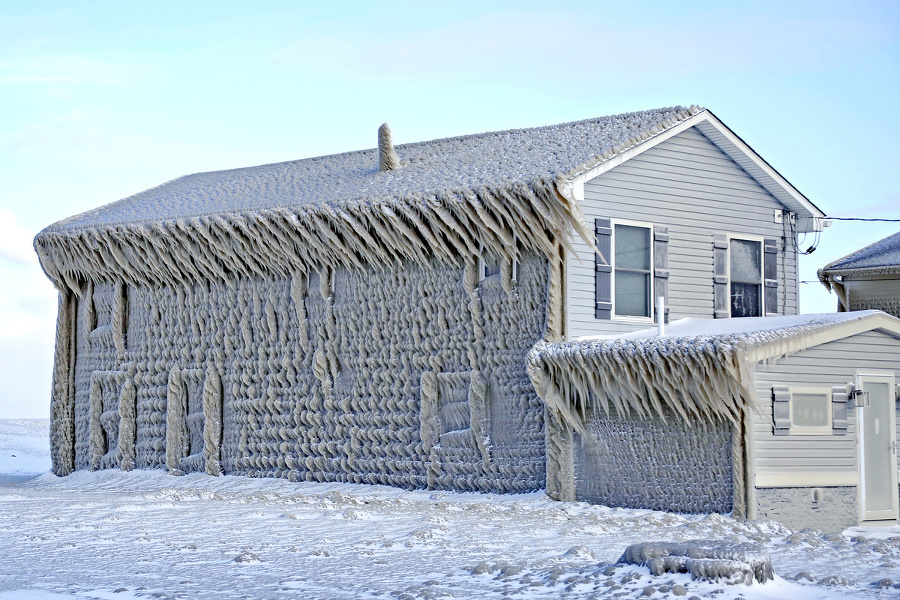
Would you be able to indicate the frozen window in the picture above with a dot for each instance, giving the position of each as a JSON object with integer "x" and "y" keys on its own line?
{"x": 745, "y": 261}
{"x": 632, "y": 260}
{"x": 811, "y": 412}
{"x": 491, "y": 266}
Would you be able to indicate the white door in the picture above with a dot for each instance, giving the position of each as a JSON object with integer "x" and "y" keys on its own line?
{"x": 878, "y": 449}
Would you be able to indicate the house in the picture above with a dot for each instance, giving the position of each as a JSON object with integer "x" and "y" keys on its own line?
{"x": 868, "y": 278}
{"x": 383, "y": 316}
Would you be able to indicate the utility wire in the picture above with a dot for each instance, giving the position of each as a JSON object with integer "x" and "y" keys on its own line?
{"x": 861, "y": 219}
{"x": 866, "y": 279}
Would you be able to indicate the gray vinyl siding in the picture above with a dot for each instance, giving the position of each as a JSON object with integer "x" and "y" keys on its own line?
{"x": 830, "y": 364}
{"x": 687, "y": 184}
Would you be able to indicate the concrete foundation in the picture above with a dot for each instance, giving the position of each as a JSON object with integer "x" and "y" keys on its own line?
{"x": 829, "y": 509}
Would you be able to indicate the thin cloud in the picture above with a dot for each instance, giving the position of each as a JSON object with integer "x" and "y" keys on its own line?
{"x": 550, "y": 47}
{"x": 70, "y": 70}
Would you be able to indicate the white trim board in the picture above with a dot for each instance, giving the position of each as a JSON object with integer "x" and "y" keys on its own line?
{"x": 876, "y": 321}
{"x": 807, "y": 479}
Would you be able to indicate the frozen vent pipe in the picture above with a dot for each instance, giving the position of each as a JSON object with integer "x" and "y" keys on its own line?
{"x": 661, "y": 315}
{"x": 387, "y": 157}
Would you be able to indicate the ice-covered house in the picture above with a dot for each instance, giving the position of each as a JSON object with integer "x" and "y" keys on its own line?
{"x": 868, "y": 278}
{"x": 387, "y": 316}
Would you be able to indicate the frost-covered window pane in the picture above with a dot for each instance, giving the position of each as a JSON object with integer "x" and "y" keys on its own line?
{"x": 745, "y": 300}
{"x": 746, "y": 278}
{"x": 491, "y": 266}
{"x": 632, "y": 294}
{"x": 632, "y": 247}
{"x": 632, "y": 265}
{"x": 810, "y": 410}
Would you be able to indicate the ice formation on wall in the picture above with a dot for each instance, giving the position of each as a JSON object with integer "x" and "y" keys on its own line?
{"x": 704, "y": 378}
{"x": 590, "y": 386}
{"x": 325, "y": 378}
{"x": 651, "y": 463}
{"x": 299, "y": 320}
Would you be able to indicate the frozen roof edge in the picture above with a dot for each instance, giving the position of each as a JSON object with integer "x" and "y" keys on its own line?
{"x": 769, "y": 337}
{"x": 655, "y": 374}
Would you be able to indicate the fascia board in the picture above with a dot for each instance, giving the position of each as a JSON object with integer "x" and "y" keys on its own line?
{"x": 736, "y": 149}
{"x": 757, "y": 167}
{"x": 579, "y": 180}
{"x": 876, "y": 322}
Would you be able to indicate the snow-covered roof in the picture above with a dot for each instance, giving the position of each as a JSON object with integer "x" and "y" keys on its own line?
{"x": 493, "y": 159}
{"x": 881, "y": 257}
{"x": 448, "y": 198}
{"x": 700, "y": 368}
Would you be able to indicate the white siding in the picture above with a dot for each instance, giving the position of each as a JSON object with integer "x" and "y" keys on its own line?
{"x": 834, "y": 363}
{"x": 687, "y": 184}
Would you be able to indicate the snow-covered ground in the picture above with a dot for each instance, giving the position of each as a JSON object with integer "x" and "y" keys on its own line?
{"x": 114, "y": 535}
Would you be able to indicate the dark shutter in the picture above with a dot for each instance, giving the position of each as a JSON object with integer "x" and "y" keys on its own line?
{"x": 661, "y": 267}
{"x": 603, "y": 270}
{"x": 839, "y": 409}
{"x": 721, "y": 305}
{"x": 770, "y": 276}
{"x": 781, "y": 409}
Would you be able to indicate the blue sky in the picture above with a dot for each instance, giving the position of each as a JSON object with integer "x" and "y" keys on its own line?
{"x": 99, "y": 100}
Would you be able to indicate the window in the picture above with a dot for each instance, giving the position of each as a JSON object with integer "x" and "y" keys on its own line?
{"x": 745, "y": 269}
{"x": 631, "y": 270}
{"x": 633, "y": 284}
{"x": 809, "y": 410}
{"x": 491, "y": 263}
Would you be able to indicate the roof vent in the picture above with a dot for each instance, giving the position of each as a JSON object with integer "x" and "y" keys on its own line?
{"x": 387, "y": 158}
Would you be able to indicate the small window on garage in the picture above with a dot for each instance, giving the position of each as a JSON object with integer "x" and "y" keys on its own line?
{"x": 811, "y": 411}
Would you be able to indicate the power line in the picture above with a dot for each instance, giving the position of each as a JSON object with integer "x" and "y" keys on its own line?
{"x": 866, "y": 279}
{"x": 861, "y": 219}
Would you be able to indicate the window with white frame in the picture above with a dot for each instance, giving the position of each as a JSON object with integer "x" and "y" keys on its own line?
{"x": 811, "y": 411}
{"x": 633, "y": 270}
{"x": 745, "y": 261}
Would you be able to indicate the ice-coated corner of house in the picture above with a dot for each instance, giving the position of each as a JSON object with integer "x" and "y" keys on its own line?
{"x": 481, "y": 313}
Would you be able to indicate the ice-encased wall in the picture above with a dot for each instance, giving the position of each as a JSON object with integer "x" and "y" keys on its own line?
{"x": 650, "y": 463}
{"x": 886, "y": 300}
{"x": 320, "y": 376}
{"x": 666, "y": 400}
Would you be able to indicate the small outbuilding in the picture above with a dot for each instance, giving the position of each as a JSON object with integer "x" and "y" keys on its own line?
{"x": 868, "y": 278}
{"x": 792, "y": 418}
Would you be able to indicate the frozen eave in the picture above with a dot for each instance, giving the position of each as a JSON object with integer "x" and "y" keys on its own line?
{"x": 450, "y": 198}
{"x": 702, "y": 368}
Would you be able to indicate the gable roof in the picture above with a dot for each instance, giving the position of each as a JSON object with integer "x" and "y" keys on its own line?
{"x": 735, "y": 148}
{"x": 881, "y": 257}
{"x": 507, "y": 190}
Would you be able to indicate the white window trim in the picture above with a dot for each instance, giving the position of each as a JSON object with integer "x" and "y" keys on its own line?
{"x": 612, "y": 259}
{"x": 817, "y": 390}
{"x": 762, "y": 268}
